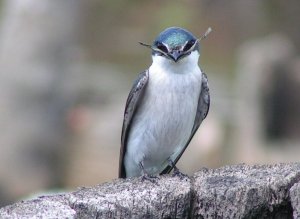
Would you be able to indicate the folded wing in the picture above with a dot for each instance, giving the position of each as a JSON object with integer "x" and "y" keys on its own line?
{"x": 132, "y": 104}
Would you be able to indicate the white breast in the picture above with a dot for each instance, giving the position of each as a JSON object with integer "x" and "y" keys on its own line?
{"x": 163, "y": 123}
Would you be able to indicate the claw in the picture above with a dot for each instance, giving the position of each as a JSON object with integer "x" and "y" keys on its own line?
{"x": 153, "y": 179}
{"x": 146, "y": 176}
{"x": 179, "y": 174}
{"x": 176, "y": 171}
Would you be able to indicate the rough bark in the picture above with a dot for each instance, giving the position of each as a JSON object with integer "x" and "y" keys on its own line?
{"x": 239, "y": 191}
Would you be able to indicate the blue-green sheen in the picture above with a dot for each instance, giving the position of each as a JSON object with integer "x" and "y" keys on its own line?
{"x": 174, "y": 37}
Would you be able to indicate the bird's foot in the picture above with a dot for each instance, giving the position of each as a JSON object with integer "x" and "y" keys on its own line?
{"x": 176, "y": 171}
{"x": 147, "y": 176}
{"x": 152, "y": 178}
{"x": 179, "y": 174}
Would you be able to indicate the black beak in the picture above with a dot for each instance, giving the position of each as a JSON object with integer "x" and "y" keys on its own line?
{"x": 175, "y": 54}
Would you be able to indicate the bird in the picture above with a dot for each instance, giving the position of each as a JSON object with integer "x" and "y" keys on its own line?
{"x": 165, "y": 107}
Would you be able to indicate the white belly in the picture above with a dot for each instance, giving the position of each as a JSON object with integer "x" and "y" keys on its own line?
{"x": 163, "y": 123}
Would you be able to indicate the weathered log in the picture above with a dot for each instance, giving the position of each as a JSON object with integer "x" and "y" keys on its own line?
{"x": 238, "y": 191}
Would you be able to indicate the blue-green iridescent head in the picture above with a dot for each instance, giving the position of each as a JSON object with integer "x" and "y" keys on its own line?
{"x": 175, "y": 43}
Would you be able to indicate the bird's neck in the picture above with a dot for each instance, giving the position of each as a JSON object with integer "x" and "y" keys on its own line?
{"x": 187, "y": 64}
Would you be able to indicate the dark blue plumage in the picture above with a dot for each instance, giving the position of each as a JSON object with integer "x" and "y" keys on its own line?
{"x": 175, "y": 39}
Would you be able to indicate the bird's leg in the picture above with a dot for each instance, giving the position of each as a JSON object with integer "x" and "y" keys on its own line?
{"x": 176, "y": 171}
{"x": 147, "y": 176}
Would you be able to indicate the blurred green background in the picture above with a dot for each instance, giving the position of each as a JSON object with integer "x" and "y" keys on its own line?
{"x": 66, "y": 67}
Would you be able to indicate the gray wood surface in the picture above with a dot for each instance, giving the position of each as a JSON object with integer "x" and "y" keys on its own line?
{"x": 238, "y": 191}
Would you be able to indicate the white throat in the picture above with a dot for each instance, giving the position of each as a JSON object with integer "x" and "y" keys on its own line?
{"x": 187, "y": 64}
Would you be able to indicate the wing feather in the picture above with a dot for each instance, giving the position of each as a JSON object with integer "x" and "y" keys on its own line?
{"x": 131, "y": 106}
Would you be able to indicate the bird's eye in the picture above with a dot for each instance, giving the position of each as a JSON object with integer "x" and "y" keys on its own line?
{"x": 188, "y": 45}
{"x": 162, "y": 47}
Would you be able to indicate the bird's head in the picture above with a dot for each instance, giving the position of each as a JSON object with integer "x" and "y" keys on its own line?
{"x": 175, "y": 43}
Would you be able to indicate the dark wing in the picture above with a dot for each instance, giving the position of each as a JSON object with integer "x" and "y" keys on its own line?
{"x": 132, "y": 104}
{"x": 202, "y": 111}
